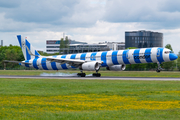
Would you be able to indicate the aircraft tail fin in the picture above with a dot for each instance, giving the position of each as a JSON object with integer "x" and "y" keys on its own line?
{"x": 28, "y": 50}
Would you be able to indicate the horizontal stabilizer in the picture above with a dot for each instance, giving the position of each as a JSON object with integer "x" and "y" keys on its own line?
{"x": 8, "y": 61}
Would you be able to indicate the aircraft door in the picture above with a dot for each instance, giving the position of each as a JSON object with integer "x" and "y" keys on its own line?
{"x": 127, "y": 55}
{"x": 158, "y": 52}
{"x": 93, "y": 57}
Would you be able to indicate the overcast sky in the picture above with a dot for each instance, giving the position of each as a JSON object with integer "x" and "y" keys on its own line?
{"x": 89, "y": 21}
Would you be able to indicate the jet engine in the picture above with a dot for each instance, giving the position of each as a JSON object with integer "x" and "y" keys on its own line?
{"x": 90, "y": 66}
{"x": 116, "y": 67}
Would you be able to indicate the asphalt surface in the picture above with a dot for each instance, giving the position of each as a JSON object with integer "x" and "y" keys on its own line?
{"x": 90, "y": 78}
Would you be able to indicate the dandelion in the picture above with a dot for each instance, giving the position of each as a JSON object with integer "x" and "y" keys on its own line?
{"x": 81, "y": 102}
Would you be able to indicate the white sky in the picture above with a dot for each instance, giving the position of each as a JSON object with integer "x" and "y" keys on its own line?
{"x": 89, "y": 21}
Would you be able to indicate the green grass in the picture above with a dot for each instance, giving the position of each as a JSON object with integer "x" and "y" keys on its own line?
{"x": 13, "y": 90}
{"x": 103, "y": 73}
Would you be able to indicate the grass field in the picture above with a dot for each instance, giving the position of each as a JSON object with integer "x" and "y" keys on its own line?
{"x": 103, "y": 73}
{"x": 89, "y": 99}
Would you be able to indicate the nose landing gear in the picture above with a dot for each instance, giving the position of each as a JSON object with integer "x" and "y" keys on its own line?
{"x": 159, "y": 67}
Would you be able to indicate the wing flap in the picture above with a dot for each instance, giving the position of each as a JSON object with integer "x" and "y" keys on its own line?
{"x": 64, "y": 60}
{"x": 72, "y": 62}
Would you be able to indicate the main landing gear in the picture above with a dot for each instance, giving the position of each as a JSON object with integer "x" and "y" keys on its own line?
{"x": 96, "y": 74}
{"x": 159, "y": 68}
{"x": 81, "y": 74}
{"x": 84, "y": 74}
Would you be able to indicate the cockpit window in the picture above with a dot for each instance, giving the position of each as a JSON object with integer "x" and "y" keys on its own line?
{"x": 166, "y": 52}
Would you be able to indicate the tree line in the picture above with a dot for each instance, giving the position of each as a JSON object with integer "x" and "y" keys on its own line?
{"x": 14, "y": 53}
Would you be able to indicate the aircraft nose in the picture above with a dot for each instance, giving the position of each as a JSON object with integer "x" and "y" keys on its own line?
{"x": 173, "y": 56}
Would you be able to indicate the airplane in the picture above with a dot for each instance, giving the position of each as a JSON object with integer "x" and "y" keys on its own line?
{"x": 93, "y": 61}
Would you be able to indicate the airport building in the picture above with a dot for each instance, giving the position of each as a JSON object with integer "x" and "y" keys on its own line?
{"x": 143, "y": 39}
{"x": 102, "y": 46}
{"x": 81, "y": 48}
{"x": 52, "y": 46}
{"x": 114, "y": 45}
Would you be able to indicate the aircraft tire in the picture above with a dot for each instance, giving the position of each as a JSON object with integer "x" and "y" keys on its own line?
{"x": 81, "y": 75}
{"x": 158, "y": 71}
{"x": 96, "y": 75}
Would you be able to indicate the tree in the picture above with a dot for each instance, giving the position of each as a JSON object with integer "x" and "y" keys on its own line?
{"x": 168, "y": 46}
{"x": 13, "y": 53}
{"x": 131, "y": 48}
{"x": 169, "y": 65}
{"x": 66, "y": 42}
{"x": 61, "y": 45}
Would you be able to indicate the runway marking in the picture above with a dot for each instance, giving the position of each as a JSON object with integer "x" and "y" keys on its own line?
{"x": 91, "y": 78}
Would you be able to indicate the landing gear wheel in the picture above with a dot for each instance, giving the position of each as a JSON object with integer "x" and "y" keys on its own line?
{"x": 158, "y": 71}
{"x": 96, "y": 75}
{"x": 81, "y": 74}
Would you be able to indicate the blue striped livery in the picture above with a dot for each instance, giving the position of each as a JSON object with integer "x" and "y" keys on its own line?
{"x": 37, "y": 54}
{"x": 93, "y": 56}
{"x": 64, "y": 65}
{"x": 19, "y": 39}
{"x": 93, "y": 60}
{"x": 27, "y": 54}
{"x": 160, "y": 55}
{"x": 73, "y": 56}
{"x": 43, "y": 63}
{"x": 27, "y": 65}
{"x": 148, "y": 53}
{"x": 35, "y": 63}
{"x": 126, "y": 56}
{"x": 83, "y": 56}
{"x": 136, "y": 56}
{"x": 53, "y": 64}
{"x": 114, "y": 57}
{"x": 104, "y": 59}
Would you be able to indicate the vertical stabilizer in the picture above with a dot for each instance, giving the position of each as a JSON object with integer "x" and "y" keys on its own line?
{"x": 28, "y": 50}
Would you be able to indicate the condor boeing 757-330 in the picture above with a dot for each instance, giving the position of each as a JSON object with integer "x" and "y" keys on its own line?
{"x": 93, "y": 61}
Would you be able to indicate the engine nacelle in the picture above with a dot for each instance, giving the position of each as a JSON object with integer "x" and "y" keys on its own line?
{"x": 116, "y": 67}
{"x": 90, "y": 66}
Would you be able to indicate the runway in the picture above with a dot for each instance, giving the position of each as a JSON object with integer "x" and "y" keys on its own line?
{"x": 90, "y": 78}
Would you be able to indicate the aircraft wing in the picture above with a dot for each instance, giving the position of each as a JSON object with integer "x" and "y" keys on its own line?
{"x": 72, "y": 62}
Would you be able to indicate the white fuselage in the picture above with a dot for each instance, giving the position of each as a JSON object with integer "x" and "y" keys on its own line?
{"x": 109, "y": 58}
